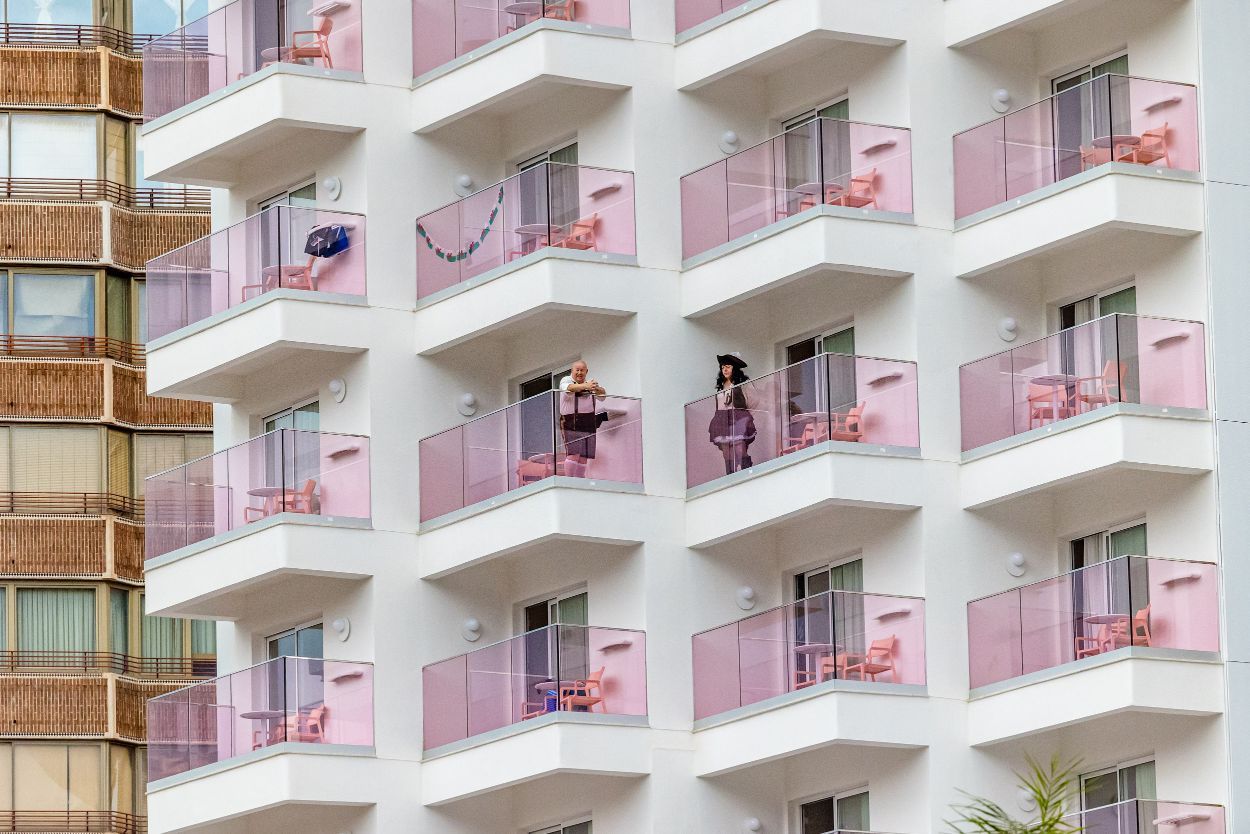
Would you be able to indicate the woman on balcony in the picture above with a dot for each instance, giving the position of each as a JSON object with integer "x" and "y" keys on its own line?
{"x": 732, "y": 429}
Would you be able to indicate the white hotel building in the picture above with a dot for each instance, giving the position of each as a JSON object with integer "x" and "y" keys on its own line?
{"x": 979, "y": 500}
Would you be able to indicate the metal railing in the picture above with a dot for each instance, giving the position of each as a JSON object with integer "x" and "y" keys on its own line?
{"x": 62, "y": 662}
{"x": 72, "y": 347}
{"x": 69, "y": 35}
{"x": 63, "y": 822}
{"x": 90, "y": 190}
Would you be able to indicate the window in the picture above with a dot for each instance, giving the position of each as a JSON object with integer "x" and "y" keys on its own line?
{"x": 122, "y": 784}
{"x": 162, "y": 636}
{"x": 839, "y": 109}
{"x": 567, "y": 609}
{"x": 56, "y": 619}
{"x": 549, "y": 193}
{"x": 1119, "y": 300}
{"x": 157, "y": 452}
{"x": 1118, "y": 784}
{"x": 809, "y": 392}
{"x": 52, "y": 145}
{"x": 566, "y": 828}
{"x": 306, "y": 417}
{"x": 836, "y": 340}
{"x": 54, "y": 777}
{"x": 1114, "y": 65}
{"x": 141, "y": 312}
{"x": 304, "y": 641}
{"x": 45, "y": 12}
{"x": 160, "y": 17}
{"x": 50, "y": 459}
{"x": 832, "y": 622}
{"x": 1086, "y": 113}
{"x": 847, "y": 812}
{"x": 1129, "y": 540}
{"x": 844, "y": 576}
{"x": 50, "y": 304}
{"x": 119, "y": 621}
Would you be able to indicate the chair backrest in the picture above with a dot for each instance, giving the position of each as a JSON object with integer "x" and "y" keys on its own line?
{"x": 307, "y": 490}
{"x": 864, "y": 184}
{"x": 597, "y": 678}
{"x": 882, "y": 648}
{"x": 324, "y": 25}
{"x": 1043, "y": 393}
{"x": 1156, "y": 137}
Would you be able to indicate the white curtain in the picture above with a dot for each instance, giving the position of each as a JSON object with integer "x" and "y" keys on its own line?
{"x": 53, "y": 145}
{"x": 53, "y": 305}
{"x": 56, "y": 619}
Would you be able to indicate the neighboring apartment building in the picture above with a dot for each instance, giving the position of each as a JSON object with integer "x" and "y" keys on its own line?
{"x": 981, "y": 498}
{"x": 79, "y": 656}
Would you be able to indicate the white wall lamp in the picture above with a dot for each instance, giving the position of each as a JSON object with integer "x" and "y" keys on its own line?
{"x": 746, "y": 597}
{"x": 466, "y": 405}
{"x": 471, "y": 629}
{"x": 1000, "y": 100}
{"x": 463, "y": 185}
{"x": 752, "y": 824}
{"x": 338, "y": 389}
{"x": 729, "y": 141}
{"x": 1008, "y": 329}
{"x": 331, "y": 187}
{"x": 342, "y": 628}
{"x": 1016, "y": 565}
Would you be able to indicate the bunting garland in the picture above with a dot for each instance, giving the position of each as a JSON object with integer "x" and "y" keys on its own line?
{"x": 461, "y": 254}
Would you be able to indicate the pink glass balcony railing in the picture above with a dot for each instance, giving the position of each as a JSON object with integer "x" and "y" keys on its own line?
{"x": 288, "y": 699}
{"x": 1149, "y": 816}
{"x": 283, "y": 471}
{"x": 283, "y": 247}
{"x": 1126, "y": 601}
{"x": 838, "y": 163}
{"x": 245, "y": 36}
{"x": 851, "y": 399}
{"x": 1114, "y": 359}
{"x": 527, "y": 442}
{"x": 443, "y": 30}
{"x": 837, "y": 635}
{"x": 567, "y": 207}
{"x": 1112, "y": 118}
{"x": 691, "y": 13}
{"x": 560, "y": 668}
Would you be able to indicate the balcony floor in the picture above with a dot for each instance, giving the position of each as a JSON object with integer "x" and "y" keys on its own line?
{"x": 849, "y": 713}
{"x": 765, "y": 36}
{"x": 262, "y": 342}
{"x": 287, "y": 106}
{"x": 533, "y": 293}
{"x": 822, "y": 240}
{"x": 222, "y": 578}
{"x": 603, "y": 745}
{"x": 821, "y": 478}
{"x": 276, "y": 784}
{"x": 545, "y": 60}
{"x": 528, "y": 519}
{"x": 1103, "y": 207}
{"x": 1134, "y": 680}
{"x": 1102, "y": 443}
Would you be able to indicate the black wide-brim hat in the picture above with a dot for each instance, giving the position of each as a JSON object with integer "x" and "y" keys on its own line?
{"x": 731, "y": 359}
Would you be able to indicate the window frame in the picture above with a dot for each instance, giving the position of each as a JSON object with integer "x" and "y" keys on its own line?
{"x": 806, "y": 115}
{"x": 1088, "y": 66}
{"x": 8, "y": 274}
{"x": 795, "y": 814}
{"x": 101, "y": 138}
{"x": 560, "y": 827}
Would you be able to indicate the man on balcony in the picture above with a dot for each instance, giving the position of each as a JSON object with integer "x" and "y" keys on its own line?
{"x": 579, "y": 418}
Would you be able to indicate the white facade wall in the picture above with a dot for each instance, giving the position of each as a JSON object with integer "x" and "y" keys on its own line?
{"x": 657, "y": 106}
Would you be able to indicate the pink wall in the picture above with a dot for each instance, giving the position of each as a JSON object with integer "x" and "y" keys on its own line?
{"x": 444, "y": 691}
{"x": 623, "y": 656}
{"x": 704, "y": 210}
{"x": 980, "y": 177}
{"x": 343, "y": 486}
{"x": 887, "y": 389}
{"x": 1155, "y": 103}
{"x": 716, "y": 681}
{"x": 994, "y": 643}
{"x": 441, "y": 473}
{"x": 901, "y": 618}
{"x": 887, "y": 150}
{"x": 1171, "y": 357}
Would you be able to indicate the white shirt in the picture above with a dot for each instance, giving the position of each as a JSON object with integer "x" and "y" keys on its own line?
{"x": 567, "y": 402}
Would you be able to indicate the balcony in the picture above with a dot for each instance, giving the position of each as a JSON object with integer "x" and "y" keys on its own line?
{"x": 265, "y": 297}
{"x": 509, "y": 54}
{"x": 825, "y": 670}
{"x": 719, "y": 40}
{"x": 100, "y": 223}
{"x": 100, "y": 547}
{"x": 1132, "y": 634}
{"x": 1149, "y": 815}
{"x": 790, "y": 206}
{"x": 69, "y": 66}
{"x": 49, "y": 703}
{"x": 45, "y": 379}
{"x": 1119, "y": 392}
{"x": 558, "y": 699}
{"x": 513, "y": 242}
{"x": 831, "y": 431}
{"x": 527, "y": 479}
{"x": 286, "y": 705}
{"x": 1113, "y": 157}
{"x": 243, "y": 520}
{"x": 275, "y": 72}
{"x": 67, "y": 822}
